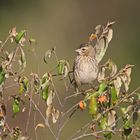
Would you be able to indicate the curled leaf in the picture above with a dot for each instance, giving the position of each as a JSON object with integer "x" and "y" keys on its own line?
{"x": 126, "y": 76}
{"x": 45, "y": 81}
{"x": 117, "y": 85}
{"x": 55, "y": 115}
{"x": 50, "y": 97}
{"x": 103, "y": 42}
{"x": 40, "y": 125}
{"x": 98, "y": 29}
{"x": 37, "y": 82}
{"x": 48, "y": 54}
{"x": 63, "y": 67}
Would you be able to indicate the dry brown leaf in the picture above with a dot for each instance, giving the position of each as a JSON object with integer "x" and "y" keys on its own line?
{"x": 50, "y": 97}
{"x": 110, "y": 35}
{"x": 13, "y": 32}
{"x": 41, "y": 125}
{"x": 117, "y": 84}
{"x": 98, "y": 29}
{"x": 48, "y": 111}
{"x": 55, "y": 115}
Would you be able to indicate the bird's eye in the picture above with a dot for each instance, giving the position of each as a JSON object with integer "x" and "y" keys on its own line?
{"x": 83, "y": 49}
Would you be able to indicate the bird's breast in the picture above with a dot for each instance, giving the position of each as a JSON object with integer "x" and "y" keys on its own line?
{"x": 88, "y": 70}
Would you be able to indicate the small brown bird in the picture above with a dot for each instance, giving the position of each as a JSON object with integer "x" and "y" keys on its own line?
{"x": 85, "y": 65}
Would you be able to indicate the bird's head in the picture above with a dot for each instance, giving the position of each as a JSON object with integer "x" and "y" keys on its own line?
{"x": 86, "y": 49}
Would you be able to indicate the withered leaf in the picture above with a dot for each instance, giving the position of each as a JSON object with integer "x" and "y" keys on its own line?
{"x": 50, "y": 97}
{"x": 55, "y": 115}
{"x": 40, "y": 125}
{"x": 98, "y": 29}
{"x": 117, "y": 84}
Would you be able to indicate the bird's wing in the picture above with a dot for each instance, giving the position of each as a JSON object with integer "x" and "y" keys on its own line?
{"x": 103, "y": 41}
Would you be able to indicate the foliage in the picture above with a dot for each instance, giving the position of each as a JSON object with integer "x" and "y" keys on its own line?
{"x": 109, "y": 103}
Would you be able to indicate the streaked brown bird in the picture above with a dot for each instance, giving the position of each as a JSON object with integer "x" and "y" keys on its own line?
{"x": 85, "y": 65}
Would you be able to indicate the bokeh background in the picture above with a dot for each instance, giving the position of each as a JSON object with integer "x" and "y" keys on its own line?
{"x": 68, "y": 23}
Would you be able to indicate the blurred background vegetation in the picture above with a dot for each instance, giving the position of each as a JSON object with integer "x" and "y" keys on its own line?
{"x": 68, "y": 23}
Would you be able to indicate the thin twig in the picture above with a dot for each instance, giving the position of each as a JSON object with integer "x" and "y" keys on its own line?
{"x": 57, "y": 94}
{"x": 87, "y": 135}
{"x": 35, "y": 114}
{"x": 30, "y": 106}
{"x": 69, "y": 110}
{"x": 3, "y": 44}
{"x": 35, "y": 105}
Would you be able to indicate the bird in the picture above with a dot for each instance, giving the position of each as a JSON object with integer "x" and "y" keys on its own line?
{"x": 85, "y": 65}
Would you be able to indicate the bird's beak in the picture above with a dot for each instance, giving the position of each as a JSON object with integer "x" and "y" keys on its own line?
{"x": 78, "y": 50}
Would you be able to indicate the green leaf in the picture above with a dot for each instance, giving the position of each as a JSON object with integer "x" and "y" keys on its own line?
{"x": 92, "y": 106}
{"x": 16, "y": 107}
{"x": 60, "y": 68}
{"x": 103, "y": 123}
{"x": 63, "y": 67}
{"x": 102, "y": 87}
{"x": 2, "y": 75}
{"x": 19, "y": 36}
{"x": 113, "y": 95}
{"x": 45, "y": 93}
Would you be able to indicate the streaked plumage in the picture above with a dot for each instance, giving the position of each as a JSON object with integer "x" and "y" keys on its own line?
{"x": 85, "y": 65}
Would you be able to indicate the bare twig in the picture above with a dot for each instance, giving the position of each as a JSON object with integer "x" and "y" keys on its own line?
{"x": 37, "y": 108}
{"x": 3, "y": 44}
{"x": 56, "y": 94}
{"x": 30, "y": 106}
